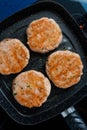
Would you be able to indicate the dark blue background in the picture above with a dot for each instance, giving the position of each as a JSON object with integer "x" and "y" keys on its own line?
{"x": 9, "y": 7}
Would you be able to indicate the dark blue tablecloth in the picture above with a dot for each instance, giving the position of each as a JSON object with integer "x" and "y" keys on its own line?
{"x": 9, "y": 7}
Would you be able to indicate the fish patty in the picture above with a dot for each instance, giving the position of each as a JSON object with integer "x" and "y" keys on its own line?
{"x": 31, "y": 88}
{"x": 14, "y": 56}
{"x": 64, "y": 68}
{"x": 43, "y": 35}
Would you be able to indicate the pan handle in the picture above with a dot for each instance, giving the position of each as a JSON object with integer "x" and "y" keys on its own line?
{"x": 73, "y": 119}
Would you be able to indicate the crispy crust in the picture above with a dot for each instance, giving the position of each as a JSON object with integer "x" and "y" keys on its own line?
{"x": 64, "y": 68}
{"x": 14, "y": 56}
{"x": 31, "y": 88}
{"x": 43, "y": 35}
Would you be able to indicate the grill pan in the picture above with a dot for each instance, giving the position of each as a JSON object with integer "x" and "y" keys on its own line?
{"x": 73, "y": 39}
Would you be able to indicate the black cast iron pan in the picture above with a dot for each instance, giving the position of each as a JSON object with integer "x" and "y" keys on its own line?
{"x": 73, "y": 39}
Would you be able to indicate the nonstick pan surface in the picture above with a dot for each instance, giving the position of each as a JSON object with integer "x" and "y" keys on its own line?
{"x": 73, "y": 40}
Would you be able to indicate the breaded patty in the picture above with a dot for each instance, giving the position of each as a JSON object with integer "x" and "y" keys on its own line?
{"x": 64, "y": 68}
{"x": 31, "y": 88}
{"x": 14, "y": 56}
{"x": 43, "y": 35}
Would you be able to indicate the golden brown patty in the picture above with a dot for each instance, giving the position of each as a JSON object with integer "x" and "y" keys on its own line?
{"x": 64, "y": 68}
{"x": 31, "y": 88}
{"x": 43, "y": 35}
{"x": 14, "y": 56}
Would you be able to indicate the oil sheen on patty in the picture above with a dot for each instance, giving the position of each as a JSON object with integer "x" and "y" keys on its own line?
{"x": 14, "y": 56}
{"x": 43, "y": 35}
{"x": 31, "y": 88}
{"x": 64, "y": 68}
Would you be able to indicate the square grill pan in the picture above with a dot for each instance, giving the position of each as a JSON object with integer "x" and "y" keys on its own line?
{"x": 73, "y": 40}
